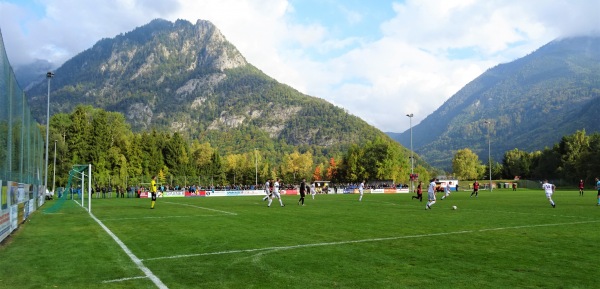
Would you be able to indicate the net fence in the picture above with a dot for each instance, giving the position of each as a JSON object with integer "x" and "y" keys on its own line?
{"x": 21, "y": 142}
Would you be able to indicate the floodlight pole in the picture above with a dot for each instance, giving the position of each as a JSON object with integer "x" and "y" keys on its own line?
{"x": 89, "y": 188}
{"x": 54, "y": 171}
{"x": 412, "y": 159}
{"x": 49, "y": 76}
{"x": 82, "y": 187}
{"x": 489, "y": 152}
{"x": 255, "y": 169}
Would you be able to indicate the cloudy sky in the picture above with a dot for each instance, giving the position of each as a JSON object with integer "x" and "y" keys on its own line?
{"x": 378, "y": 59}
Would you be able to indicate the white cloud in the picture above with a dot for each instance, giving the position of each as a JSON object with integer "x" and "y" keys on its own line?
{"x": 428, "y": 50}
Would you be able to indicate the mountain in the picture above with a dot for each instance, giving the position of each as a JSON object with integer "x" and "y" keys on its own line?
{"x": 33, "y": 73}
{"x": 530, "y": 103}
{"x": 188, "y": 78}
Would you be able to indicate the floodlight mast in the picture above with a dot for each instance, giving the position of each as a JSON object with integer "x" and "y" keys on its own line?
{"x": 489, "y": 152}
{"x": 412, "y": 159}
{"x": 49, "y": 76}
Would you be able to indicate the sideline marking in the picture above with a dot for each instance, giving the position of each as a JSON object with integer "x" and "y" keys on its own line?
{"x": 133, "y": 257}
{"x": 224, "y": 212}
{"x": 525, "y": 213}
{"x": 365, "y": 240}
{"x": 165, "y": 217}
{"x": 125, "y": 279}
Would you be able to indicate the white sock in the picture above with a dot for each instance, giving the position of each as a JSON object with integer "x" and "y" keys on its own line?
{"x": 280, "y": 202}
{"x": 270, "y": 201}
{"x": 431, "y": 203}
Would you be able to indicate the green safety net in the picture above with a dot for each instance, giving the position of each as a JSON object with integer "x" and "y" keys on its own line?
{"x": 67, "y": 193}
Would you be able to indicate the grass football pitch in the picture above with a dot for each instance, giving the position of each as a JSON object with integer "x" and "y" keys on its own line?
{"x": 502, "y": 239}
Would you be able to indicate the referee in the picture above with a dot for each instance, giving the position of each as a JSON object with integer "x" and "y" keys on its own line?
{"x": 302, "y": 191}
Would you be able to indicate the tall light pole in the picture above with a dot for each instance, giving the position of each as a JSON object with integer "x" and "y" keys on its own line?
{"x": 489, "y": 152}
{"x": 54, "y": 170}
{"x": 255, "y": 169}
{"x": 412, "y": 159}
{"x": 49, "y": 76}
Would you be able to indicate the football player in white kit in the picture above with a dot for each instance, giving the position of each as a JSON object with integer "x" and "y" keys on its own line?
{"x": 275, "y": 194}
{"x": 313, "y": 191}
{"x": 267, "y": 191}
{"x": 361, "y": 188}
{"x": 430, "y": 194}
{"x": 549, "y": 189}
{"x": 446, "y": 191}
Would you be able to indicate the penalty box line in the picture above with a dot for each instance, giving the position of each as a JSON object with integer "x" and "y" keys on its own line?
{"x": 137, "y": 261}
{"x": 203, "y": 208}
{"x": 158, "y": 218}
{"x": 366, "y": 240}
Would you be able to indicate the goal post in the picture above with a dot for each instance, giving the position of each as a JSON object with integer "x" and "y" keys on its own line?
{"x": 78, "y": 172}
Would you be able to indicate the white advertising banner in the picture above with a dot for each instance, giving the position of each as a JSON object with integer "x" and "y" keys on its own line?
{"x": 14, "y": 217}
{"x": 170, "y": 194}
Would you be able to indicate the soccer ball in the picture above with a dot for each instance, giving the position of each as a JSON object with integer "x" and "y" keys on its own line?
{"x": 454, "y": 208}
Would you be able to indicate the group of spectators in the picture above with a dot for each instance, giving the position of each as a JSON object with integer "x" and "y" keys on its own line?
{"x": 378, "y": 185}
{"x": 135, "y": 191}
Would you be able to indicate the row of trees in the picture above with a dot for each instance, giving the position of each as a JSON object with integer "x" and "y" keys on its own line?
{"x": 575, "y": 157}
{"x": 121, "y": 157}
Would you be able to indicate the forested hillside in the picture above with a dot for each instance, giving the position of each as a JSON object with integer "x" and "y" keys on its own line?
{"x": 187, "y": 82}
{"x": 121, "y": 157}
{"x": 529, "y": 104}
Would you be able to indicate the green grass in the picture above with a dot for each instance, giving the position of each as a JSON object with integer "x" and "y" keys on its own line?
{"x": 502, "y": 239}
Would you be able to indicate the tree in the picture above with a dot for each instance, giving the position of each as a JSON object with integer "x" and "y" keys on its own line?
{"x": 381, "y": 160}
{"x": 466, "y": 165}
{"x": 547, "y": 163}
{"x": 590, "y": 160}
{"x": 232, "y": 167}
{"x": 516, "y": 163}
{"x": 175, "y": 153}
{"x": 352, "y": 170}
{"x": 79, "y": 135}
{"x": 572, "y": 148}
{"x": 298, "y": 165}
{"x": 317, "y": 173}
{"x": 217, "y": 172}
{"x": 332, "y": 170}
{"x": 200, "y": 159}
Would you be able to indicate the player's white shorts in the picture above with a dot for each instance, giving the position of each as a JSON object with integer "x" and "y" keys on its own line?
{"x": 276, "y": 195}
{"x": 430, "y": 196}
{"x": 548, "y": 195}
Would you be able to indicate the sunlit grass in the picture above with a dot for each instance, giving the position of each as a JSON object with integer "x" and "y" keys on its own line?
{"x": 502, "y": 239}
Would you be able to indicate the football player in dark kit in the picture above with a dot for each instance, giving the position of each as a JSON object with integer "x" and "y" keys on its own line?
{"x": 419, "y": 195}
{"x": 302, "y": 191}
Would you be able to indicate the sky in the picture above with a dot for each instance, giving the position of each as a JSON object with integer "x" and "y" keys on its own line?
{"x": 379, "y": 60}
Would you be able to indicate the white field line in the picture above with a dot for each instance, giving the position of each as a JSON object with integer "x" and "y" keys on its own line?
{"x": 133, "y": 257}
{"x": 224, "y": 212}
{"x": 526, "y": 213}
{"x": 124, "y": 279}
{"x": 165, "y": 217}
{"x": 365, "y": 240}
